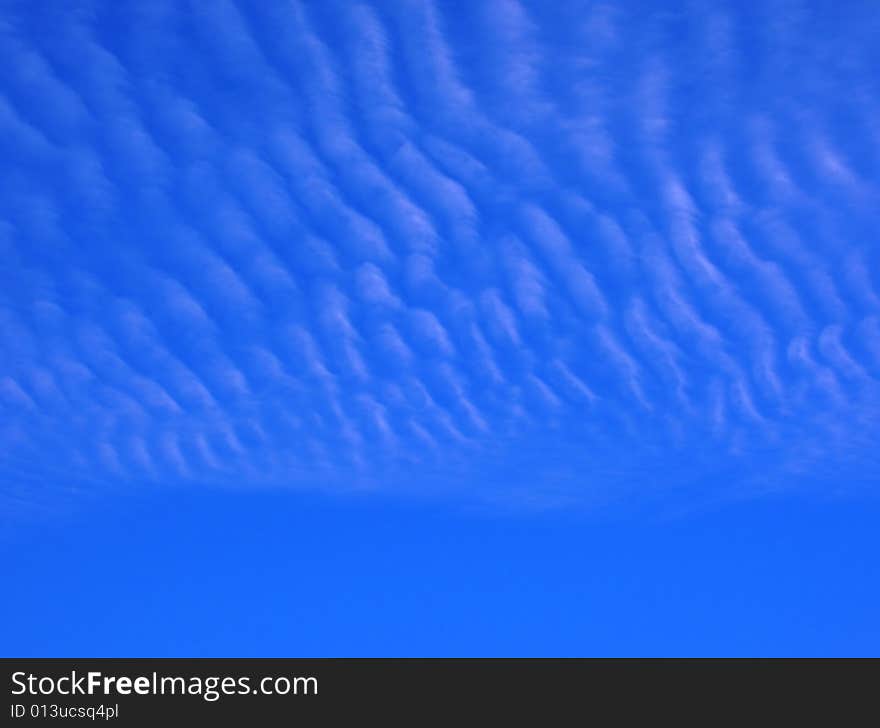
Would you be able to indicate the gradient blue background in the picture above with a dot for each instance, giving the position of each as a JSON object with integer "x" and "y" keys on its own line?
{"x": 273, "y": 575}
{"x": 426, "y": 327}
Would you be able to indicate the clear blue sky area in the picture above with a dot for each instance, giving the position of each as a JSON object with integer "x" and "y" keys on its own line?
{"x": 265, "y": 574}
{"x": 433, "y": 327}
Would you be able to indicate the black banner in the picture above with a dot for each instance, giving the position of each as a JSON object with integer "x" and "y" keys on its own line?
{"x": 271, "y": 691}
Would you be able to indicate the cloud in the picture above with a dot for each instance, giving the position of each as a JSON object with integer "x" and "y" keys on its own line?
{"x": 307, "y": 242}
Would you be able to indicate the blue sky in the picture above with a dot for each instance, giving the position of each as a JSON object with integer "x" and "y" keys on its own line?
{"x": 424, "y": 327}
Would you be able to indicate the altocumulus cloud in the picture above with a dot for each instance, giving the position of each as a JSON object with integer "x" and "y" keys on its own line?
{"x": 522, "y": 247}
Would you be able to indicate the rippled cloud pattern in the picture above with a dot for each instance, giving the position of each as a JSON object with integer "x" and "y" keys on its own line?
{"x": 539, "y": 251}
